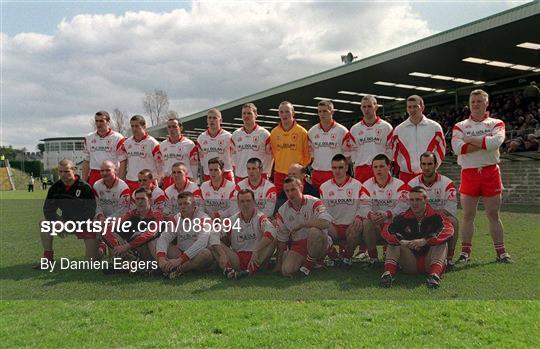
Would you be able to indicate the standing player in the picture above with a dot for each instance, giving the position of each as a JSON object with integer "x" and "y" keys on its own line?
{"x": 181, "y": 183}
{"x": 341, "y": 196}
{"x": 215, "y": 142}
{"x": 139, "y": 238}
{"x": 158, "y": 197}
{"x": 302, "y": 220}
{"x": 383, "y": 197}
{"x": 103, "y": 144}
{"x": 415, "y": 136}
{"x": 190, "y": 252}
{"x": 177, "y": 148}
{"x": 218, "y": 192}
{"x": 326, "y": 139}
{"x": 369, "y": 137}
{"x": 442, "y": 197}
{"x": 476, "y": 142}
{"x": 290, "y": 144}
{"x": 263, "y": 190}
{"x": 251, "y": 141}
{"x": 142, "y": 153}
{"x": 417, "y": 241}
{"x": 75, "y": 199}
{"x": 253, "y": 242}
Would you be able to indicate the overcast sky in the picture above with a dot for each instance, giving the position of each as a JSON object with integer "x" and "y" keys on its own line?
{"x": 62, "y": 61}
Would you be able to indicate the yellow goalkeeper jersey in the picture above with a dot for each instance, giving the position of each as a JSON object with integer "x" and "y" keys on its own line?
{"x": 289, "y": 147}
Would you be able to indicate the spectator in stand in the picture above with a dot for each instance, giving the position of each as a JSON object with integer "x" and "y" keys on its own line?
{"x": 531, "y": 143}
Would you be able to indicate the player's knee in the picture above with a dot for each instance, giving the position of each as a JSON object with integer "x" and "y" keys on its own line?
{"x": 315, "y": 235}
{"x": 492, "y": 214}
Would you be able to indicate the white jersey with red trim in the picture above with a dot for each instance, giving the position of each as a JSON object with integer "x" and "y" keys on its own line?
{"x": 191, "y": 237}
{"x": 113, "y": 201}
{"x": 369, "y": 141}
{"x": 255, "y": 144}
{"x": 158, "y": 199}
{"x": 219, "y": 201}
{"x": 342, "y": 201}
{"x": 288, "y": 218}
{"x": 109, "y": 147}
{"x": 441, "y": 193}
{"x": 143, "y": 154}
{"x": 265, "y": 194}
{"x": 219, "y": 146}
{"x": 184, "y": 151}
{"x": 410, "y": 141}
{"x": 324, "y": 144}
{"x": 390, "y": 198}
{"x": 247, "y": 237}
{"x": 171, "y": 206}
{"x": 492, "y": 133}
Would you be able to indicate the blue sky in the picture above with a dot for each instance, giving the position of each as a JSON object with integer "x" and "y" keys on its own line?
{"x": 62, "y": 61}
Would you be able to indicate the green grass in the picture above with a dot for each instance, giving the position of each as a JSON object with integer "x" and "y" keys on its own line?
{"x": 483, "y": 304}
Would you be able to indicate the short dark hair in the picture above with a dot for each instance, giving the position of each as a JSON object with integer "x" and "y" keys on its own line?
{"x": 429, "y": 154}
{"x": 340, "y": 157}
{"x": 146, "y": 172}
{"x": 291, "y": 179}
{"x": 217, "y": 161}
{"x": 246, "y": 191}
{"x": 255, "y": 161}
{"x": 419, "y": 189}
{"x": 105, "y": 115}
{"x": 139, "y": 118}
{"x": 185, "y": 194}
{"x": 381, "y": 157}
{"x": 143, "y": 190}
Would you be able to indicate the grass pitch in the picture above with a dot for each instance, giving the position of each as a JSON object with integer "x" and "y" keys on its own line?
{"x": 483, "y": 304}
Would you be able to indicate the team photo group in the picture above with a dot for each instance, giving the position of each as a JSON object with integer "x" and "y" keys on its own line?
{"x": 289, "y": 200}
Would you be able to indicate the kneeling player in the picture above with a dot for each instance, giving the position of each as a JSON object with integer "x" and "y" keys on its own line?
{"x": 341, "y": 196}
{"x": 190, "y": 252}
{"x": 253, "y": 242}
{"x": 417, "y": 241}
{"x": 302, "y": 220}
{"x": 141, "y": 236}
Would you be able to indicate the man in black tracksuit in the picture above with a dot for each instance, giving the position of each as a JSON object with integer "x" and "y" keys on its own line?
{"x": 75, "y": 200}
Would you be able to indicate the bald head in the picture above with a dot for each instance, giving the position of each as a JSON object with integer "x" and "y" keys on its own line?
{"x": 297, "y": 171}
{"x": 107, "y": 170}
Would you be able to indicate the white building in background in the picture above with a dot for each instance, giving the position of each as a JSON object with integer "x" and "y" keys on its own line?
{"x": 60, "y": 148}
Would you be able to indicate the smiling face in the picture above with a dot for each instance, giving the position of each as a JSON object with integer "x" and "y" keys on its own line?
{"x": 478, "y": 105}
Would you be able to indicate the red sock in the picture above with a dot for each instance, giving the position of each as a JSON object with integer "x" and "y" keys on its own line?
{"x": 499, "y": 248}
{"x": 309, "y": 263}
{"x": 373, "y": 254}
{"x": 48, "y": 254}
{"x": 363, "y": 248}
{"x": 390, "y": 266}
{"x": 332, "y": 253}
{"x": 436, "y": 268}
{"x": 466, "y": 247}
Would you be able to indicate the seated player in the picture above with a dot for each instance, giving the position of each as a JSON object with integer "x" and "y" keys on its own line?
{"x": 253, "y": 242}
{"x": 442, "y": 197}
{"x": 297, "y": 171}
{"x": 190, "y": 252}
{"x": 112, "y": 196}
{"x": 217, "y": 193}
{"x": 417, "y": 241}
{"x": 341, "y": 196}
{"x": 303, "y": 221}
{"x": 181, "y": 183}
{"x": 142, "y": 241}
{"x": 146, "y": 181}
{"x": 383, "y": 197}
{"x": 75, "y": 200}
{"x": 263, "y": 189}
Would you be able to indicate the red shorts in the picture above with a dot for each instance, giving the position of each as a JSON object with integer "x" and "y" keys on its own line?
{"x": 485, "y": 181}
{"x": 406, "y": 177}
{"x": 363, "y": 173}
{"x": 133, "y": 185}
{"x": 167, "y": 182}
{"x": 93, "y": 177}
{"x": 243, "y": 259}
{"x": 278, "y": 181}
{"x": 227, "y": 175}
{"x": 341, "y": 230}
{"x": 319, "y": 177}
{"x": 86, "y": 236}
{"x": 300, "y": 247}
